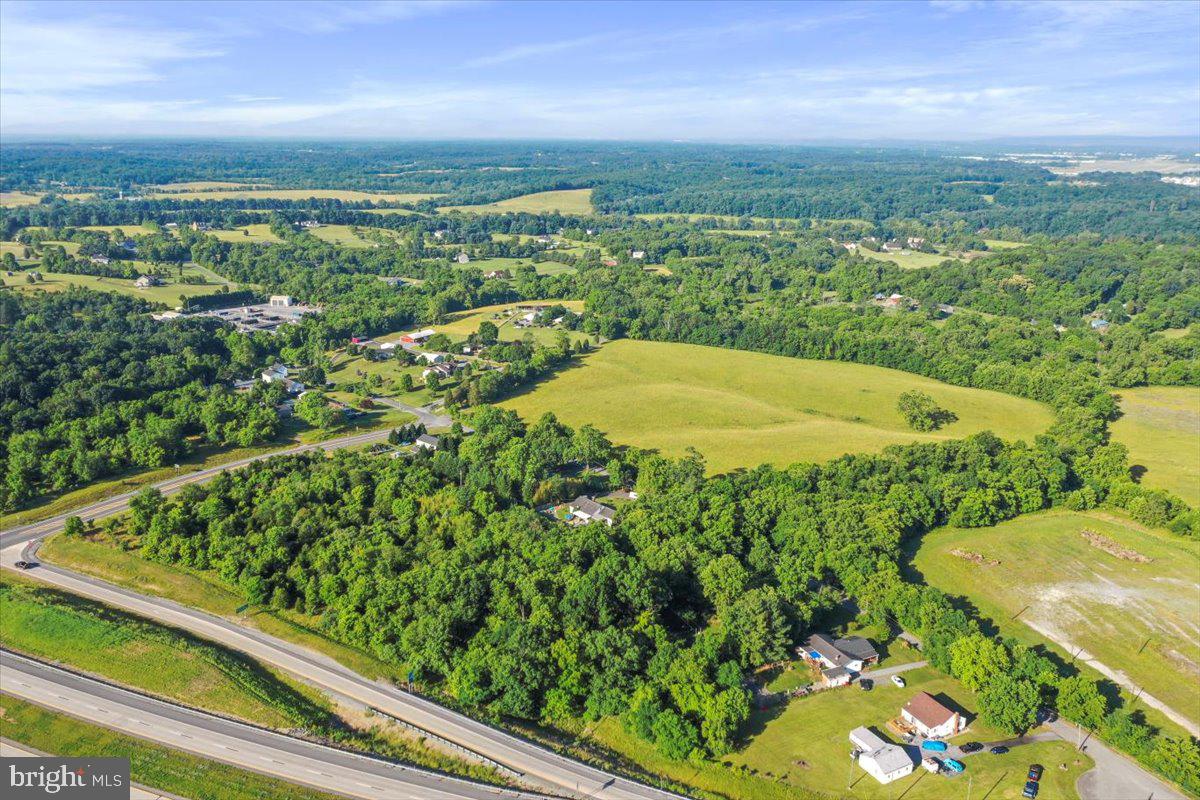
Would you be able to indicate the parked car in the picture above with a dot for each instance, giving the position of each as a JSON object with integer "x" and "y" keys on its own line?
{"x": 971, "y": 747}
{"x": 953, "y": 765}
{"x": 998, "y": 750}
{"x": 896, "y": 679}
{"x": 866, "y": 684}
{"x": 22, "y": 565}
{"x": 937, "y": 747}
{"x": 1035, "y": 772}
{"x": 1031, "y": 790}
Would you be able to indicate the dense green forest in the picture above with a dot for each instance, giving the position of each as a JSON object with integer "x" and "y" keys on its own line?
{"x": 872, "y": 184}
{"x": 441, "y": 565}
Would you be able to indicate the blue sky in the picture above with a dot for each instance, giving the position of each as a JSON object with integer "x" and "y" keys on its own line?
{"x": 949, "y": 69}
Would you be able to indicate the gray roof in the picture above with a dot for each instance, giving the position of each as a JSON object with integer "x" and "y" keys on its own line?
{"x": 890, "y": 758}
{"x": 842, "y": 651}
{"x": 856, "y": 647}
{"x": 866, "y": 739}
{"x": 432, "y": 441}
{"x": 591, "y": 508}
{"x": 836, "y": 672}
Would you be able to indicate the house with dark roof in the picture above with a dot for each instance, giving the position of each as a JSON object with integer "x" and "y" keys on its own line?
{"x": 588, "y": 510}
{"x": 931, "y": 718}
{"x": 850, "y": 652}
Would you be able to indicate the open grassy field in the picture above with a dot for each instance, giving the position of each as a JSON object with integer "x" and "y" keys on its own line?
{"x": 1002, "y": 244}
{"x": 167, "y": 294}
{"x": 151, "y": 764}
{"x": 346, "y": 236}
{"x": 1141, "y": 619}
{"x": 60, "y": 627}
{"x": 294, "y": 194}
{"x": 1161, "y": 427}
{"x": 511, "y": 264}
{"x": 908, "y": 260}
{"x": 565, "y": 201}
{"x": 742, "y": 409}
{"x": 260, "y": 232}
{"x": 10, "y": 199}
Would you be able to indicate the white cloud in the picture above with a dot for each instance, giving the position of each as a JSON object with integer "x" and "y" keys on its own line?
{"x": 55, "y": 54}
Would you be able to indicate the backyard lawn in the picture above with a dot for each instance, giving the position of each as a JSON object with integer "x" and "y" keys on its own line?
{"x": 741, "y": 409}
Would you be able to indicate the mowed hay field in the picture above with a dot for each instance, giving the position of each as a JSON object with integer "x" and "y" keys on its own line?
{"x": 1161, "y": 427}
{"x": 565, "y": 201}
{"x": 167, "y": 294}
{"x": 741, "y": 409}
{"x": 1139, "y": 619}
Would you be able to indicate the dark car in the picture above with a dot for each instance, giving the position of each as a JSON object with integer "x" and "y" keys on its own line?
{"x": 22, "y": 565}
{"x": 971, "y": 747}
{"x": 1031, "y": 789}
{"x": 998, "y": 750}
{"x": 866, "y": 684}
{"x": 1035, "y": 772}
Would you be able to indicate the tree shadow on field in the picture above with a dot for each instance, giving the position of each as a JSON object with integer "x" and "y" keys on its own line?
{"x": 531, "y": 386}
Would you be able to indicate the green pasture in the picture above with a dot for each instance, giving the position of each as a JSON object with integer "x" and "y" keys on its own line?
{"x": 1161, "y": 427}
{"x": 565, "y": 201}
{"x": 741, "y": 409}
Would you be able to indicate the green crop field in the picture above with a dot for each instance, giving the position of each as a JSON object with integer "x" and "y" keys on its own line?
{"x": 151, "y": 764}
{"x": 167, "y": 294}
{"x": 565, "y": 201}
{"x": 60, "y": 627}
{"x": 742, "y": 409}
{"x": 1141, "y": 618}
{"x": 1161, "y": 427}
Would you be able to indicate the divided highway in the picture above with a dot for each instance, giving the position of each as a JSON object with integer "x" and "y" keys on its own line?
{"x": 241, "y": 745}
{"x": 539, "y": 765}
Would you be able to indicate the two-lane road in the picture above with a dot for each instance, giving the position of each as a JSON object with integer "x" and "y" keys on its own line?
{"x": 539, "y": 765}
{"x": 119, "y": 504}
{"x": 220, "y": 739}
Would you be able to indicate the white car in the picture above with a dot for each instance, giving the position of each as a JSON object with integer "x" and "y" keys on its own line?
{"x": 896, "y": 679}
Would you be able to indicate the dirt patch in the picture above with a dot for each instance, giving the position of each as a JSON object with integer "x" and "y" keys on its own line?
{"x": 1101, "y": 542}
{"x": 974, "y": 558}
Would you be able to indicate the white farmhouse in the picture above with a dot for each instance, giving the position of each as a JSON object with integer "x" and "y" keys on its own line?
{"x": 930, "y": 718}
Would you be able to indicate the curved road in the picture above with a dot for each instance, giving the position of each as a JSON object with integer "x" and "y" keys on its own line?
{"x": 536, "y": 763}
{"x": 220, "y": 739}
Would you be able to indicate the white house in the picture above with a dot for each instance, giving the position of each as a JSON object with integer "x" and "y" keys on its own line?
{"x": 280, "y": 301}
{"x": 883, "y": 761}
{"x": 462, "y": 258}
{"x": 638, "y": 255}
{"x": 427, "y": 442}
{"x": 276, "y": 373}
{"x": 588, "y": 510}
{"x": 930, "y": 718}
{"x": 146, "y": 281}
{"x": 433, "y": 358}
{"x": 100, "y": 259}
